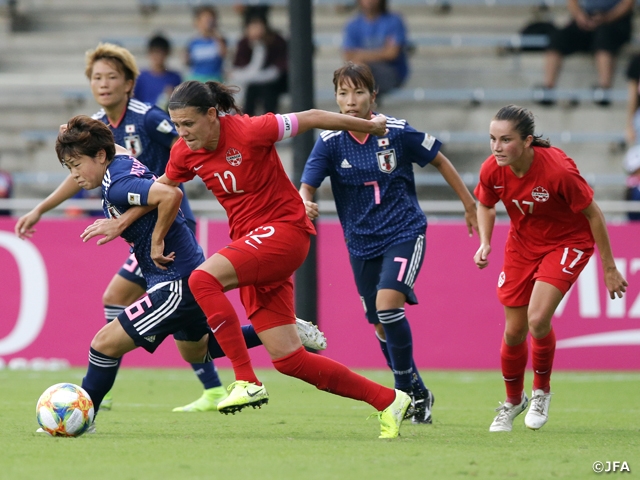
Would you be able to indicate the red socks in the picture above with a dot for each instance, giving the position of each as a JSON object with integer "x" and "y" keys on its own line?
{"x": 223, "y": 320}
{"x": 514, "y": 362}
{"x": 542, "y": 352}
{"x": 333, "y": 377}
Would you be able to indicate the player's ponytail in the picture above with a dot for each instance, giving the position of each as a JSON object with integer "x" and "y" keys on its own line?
{"x": 203, "y": 96}
{"x": 523, "y": 122}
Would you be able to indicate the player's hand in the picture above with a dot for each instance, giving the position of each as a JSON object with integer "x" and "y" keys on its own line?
{"x": 379, "y": 124}
{"x": 109, "y": 227}
{"x": 24, "y": 225}
{"x": 481, "y": 256}
{"x": 615, "y": 282}
{"x": 158, "y": 256}
{"x": 312, "y": 209}
{"x": 471, "y": 217}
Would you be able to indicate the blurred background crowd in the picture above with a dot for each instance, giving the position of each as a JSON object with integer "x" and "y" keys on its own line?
{"x": 444, "y": 65}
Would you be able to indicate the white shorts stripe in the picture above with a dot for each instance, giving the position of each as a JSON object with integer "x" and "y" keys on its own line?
{"x": 165, "y": 310}
{"x": 410, "y": 279}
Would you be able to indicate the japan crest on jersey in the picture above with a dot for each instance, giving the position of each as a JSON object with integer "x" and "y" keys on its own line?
{"x": 133, "y": 144}
{"x": 387, "y": 160}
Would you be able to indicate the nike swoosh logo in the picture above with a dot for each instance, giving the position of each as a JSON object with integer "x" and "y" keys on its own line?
{"x": 195, "y": 169}
{"x": 567, "y": 271}
{"x": 218, "y": 327}
{"x": 498, "y": 186}
{"x": 255, "y": 393}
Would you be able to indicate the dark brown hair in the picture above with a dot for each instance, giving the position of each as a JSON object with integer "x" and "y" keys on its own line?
{"x": 84, "y": 136}
{"x": 523, "y": 122}
{"x": 204, "y": 96}
{"x": 359, "y": 75}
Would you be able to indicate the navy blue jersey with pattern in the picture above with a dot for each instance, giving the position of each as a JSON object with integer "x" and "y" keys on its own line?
{"x": 373, "y": 184}
{"x": 148, "y": 133}
{"x": 126, "y": 183}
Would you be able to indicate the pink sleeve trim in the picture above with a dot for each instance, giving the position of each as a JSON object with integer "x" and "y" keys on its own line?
{"x": 287, "y": 126}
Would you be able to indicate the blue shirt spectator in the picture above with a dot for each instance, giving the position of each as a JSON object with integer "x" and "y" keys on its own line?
{"x": 205, "y": 54}
{"x": 155, "y": 84}
{"x": 378, "y": 38}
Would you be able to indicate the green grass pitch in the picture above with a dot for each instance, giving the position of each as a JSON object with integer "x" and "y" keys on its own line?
{"x": 307, "y": 434}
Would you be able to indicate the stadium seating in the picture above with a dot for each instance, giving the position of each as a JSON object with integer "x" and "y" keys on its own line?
{"x": 461, "y": 73}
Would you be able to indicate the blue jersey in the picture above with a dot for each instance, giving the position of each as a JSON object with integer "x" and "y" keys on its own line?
{"x": 373, "y": 184}
{"x": 126, "y": 183}
{"x": 148, "y": 133}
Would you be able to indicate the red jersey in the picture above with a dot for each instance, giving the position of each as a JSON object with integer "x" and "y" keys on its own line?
{"x": 245, "y": 174}
{"x": 544, "y": 205}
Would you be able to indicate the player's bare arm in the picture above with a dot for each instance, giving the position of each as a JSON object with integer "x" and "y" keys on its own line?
{"x": 167, "y": 199}
{"x": 486, "y": 221}
{"x": 307, "y": 192}
{"x": 336, "y": 121}
{"x": 111, "y": 228}
{"x": 451, "y": 175}
{"x": 613, "y": 279}
{"x": 167, "y": 181}
{"x": 67, "y": 189}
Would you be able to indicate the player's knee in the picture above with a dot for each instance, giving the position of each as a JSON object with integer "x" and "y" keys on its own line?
{"x": 291, "y": 364}
{"x": 193, "y": 352}
{"x": 201, "y": 283}
{"x": 103, "y": 341}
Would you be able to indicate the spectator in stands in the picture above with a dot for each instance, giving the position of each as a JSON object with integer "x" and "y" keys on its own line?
{"x": 260, "y": 65}
{"x": 155, "y": 85}
{"x": 632, "y": 133}
{"x": 378, "y": 39}
{"x": 632, "y": 167}
{"x": 601, "y": 26}
{"x": 6, "y": 189}
{"x": 206, "y": 53}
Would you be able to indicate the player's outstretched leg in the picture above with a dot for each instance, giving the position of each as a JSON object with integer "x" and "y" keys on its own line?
{"x": 507, "y": 412}
{"x": 331, "y": 376}
{"x": 538, "y": 413}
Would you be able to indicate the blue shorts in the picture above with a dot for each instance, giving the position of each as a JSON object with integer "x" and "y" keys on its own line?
{"x": 131, "y": 271}
{"x": 167, "y": 309}
{"x": 396, "y": 269}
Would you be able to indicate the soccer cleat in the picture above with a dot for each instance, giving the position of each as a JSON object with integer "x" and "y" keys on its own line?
{"x": 107, "y": 401}
{"x": 42, "y": 430}
{"x": 243, "y": 394}
{"x": 507, "y": 412}
{"x": 207, "y": 402}
{"x": 310, "y": 336}
{"x": 391, "y": 417}
{"x": 538, "y": 413}
{"x": 422, "y": 403}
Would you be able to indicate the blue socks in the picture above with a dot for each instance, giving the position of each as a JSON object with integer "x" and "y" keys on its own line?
{"x": 100, "y": 376}
{"x": 399, "y": 346}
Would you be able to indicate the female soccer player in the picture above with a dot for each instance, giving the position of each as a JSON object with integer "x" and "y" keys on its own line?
{"x": 236, "y": 157}
{"x": 147, "y": 132}
{"x": 86, "y": 147}
{"x": 374, "y": 189}
{"x": 554, "y": 225}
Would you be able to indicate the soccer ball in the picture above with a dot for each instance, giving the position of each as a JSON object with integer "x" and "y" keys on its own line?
{"x": 65, "y": 410}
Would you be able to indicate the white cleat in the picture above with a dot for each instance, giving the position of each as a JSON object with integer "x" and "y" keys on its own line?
{"x": 507, "y": 412}
{"x": 538, "y": 413}
{"x": 310, "y": 336}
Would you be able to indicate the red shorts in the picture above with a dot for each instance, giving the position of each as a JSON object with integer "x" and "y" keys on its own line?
{"x": 559, "y": 267}
{"x": 264, "y": 261}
